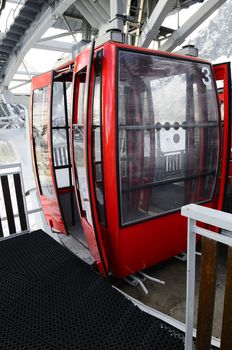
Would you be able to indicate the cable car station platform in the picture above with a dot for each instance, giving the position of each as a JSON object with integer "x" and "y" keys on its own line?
{"x": 126, "y": 161}
{"x": 50, "y": 299}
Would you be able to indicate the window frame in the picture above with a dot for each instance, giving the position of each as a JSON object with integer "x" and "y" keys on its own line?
{"x": 99, "y": 56}
{"x": 75, "y": 106}
{"x": 34, "y": 145}
{"x": 117, "y": 129}
{"x": 66, "y": 128}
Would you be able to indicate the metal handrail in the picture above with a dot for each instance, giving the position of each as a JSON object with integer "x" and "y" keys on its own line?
{"x": 196, "y": 213}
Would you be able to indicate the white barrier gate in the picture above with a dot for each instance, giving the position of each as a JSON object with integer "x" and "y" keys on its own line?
{"x": 212, "y": 217}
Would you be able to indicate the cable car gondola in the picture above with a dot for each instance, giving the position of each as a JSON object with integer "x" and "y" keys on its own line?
{"x": 144, "y": 141}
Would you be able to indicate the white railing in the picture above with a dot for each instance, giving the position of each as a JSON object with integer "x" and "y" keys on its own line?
{"x": 9, "y": 170}
{"x": 212, "y": 217}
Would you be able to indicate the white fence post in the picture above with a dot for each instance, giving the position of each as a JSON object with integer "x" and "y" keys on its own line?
{"x": 190, "y": 292}
{"x": 208, "y": 216}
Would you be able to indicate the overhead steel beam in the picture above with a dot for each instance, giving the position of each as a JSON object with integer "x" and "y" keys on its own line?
{"x": 34, "y": 33}
{"x": 2, "y": 36}
{"x": 22, "y": 72}
{"x": 105, "y": 4}
{"x": 74, "y": 22}
{"x": 54, "y": 45}
{"x": 100, "y": 10}
{"x": 13, "y": 1}
{"x": 19, "y": 85}
{"x": 93, "y": 20}
{"x": 94, "y": 10}
{"x": 69, "y": 28}
{"x": 191, "y": 24}
{"x": 151, "y": 28}
{"x": 21, "y": 80}
{"x": 57, "y": 36}
{"x": 86, "y": 30}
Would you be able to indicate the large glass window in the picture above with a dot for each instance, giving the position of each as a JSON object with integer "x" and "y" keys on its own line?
{"x": 97, "y": 143}
{"x": 168, "y": 134}
{"x": 78, "y": 145}
{"x": 40, "y": 129}
{"x": 60, "y": 132}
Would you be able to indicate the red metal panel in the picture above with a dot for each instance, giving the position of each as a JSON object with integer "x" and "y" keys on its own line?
{"x": 111, "y": 235}
{"x": 41, "y": 80}
{"x": 96, "y": 226}
{"x": 92, "y": 233}
{"x": 159, "y": 53}
{"x": 222, "y": 72}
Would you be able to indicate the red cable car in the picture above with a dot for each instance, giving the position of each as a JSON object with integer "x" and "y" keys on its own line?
{"x": 145, "y": 140}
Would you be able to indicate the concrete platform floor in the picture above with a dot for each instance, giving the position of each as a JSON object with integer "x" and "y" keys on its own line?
{"x": 170, "y": 298}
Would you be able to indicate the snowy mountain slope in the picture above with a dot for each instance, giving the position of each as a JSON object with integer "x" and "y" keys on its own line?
{"x": 215, "y": 41}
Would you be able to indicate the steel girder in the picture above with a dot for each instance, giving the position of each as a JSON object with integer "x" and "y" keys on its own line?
{"x": 179, "y": 35}
{"x": 153, "y": 24}
{"x": 43, "y": 22}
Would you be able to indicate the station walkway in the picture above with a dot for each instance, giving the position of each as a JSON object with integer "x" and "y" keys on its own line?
{"x": 50, "y": 299}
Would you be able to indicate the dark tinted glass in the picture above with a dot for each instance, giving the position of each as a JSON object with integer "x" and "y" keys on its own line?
{"x": 168, "y": 134}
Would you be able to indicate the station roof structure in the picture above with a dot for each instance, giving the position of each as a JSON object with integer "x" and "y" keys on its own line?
{"x": 84, "y": 19}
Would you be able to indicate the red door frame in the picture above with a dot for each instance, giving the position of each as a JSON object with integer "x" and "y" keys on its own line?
{"x": 223, "y": 72}
{"x": 51, "y": 207}
{"x": 92, "y": 232}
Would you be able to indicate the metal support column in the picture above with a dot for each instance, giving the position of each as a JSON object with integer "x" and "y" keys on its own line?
{"x": 86, "y": 30}
{"x": 116, "y": 17}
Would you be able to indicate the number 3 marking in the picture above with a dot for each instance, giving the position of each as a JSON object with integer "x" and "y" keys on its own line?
{"x": 207, "y": 77}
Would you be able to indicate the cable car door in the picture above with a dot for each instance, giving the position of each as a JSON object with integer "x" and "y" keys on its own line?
{"x": 41, "y": 149}
{"x": 222, "y": 73}
{"x": 81, "y": 155}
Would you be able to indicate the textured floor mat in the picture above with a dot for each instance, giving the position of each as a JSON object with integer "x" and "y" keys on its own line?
{"x": 49, "y": 299}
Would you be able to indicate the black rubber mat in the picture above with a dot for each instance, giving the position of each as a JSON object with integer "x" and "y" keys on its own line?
{"x": 49, "y": 299}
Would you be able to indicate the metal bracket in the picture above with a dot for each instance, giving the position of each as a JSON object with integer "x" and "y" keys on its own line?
{"x": 135, "y": 281}
{"x": 125, "y": 18}
{"x": 150, "y": 278}
{"x": 139, "y": 281}
{"x": 181, "y": 257}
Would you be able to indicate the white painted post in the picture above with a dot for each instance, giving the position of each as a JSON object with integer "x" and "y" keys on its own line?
{"x": 190, "y": 290}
